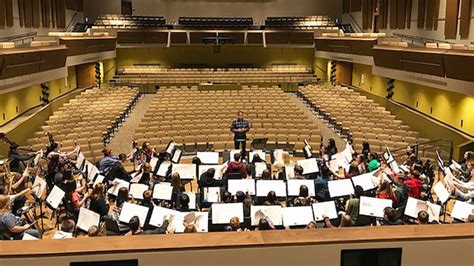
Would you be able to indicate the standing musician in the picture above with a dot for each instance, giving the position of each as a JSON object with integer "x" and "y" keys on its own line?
{"x": 240, "y": 127}
{"x": 16, "y": 160}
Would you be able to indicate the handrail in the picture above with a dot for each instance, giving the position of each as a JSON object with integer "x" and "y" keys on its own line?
{"x": 433, "y": 144}
{"x": 355, "y": 24}
{"x": 420, "y": 40}
{"x": 72, "y": 23}
{"x": 20, "y": 37}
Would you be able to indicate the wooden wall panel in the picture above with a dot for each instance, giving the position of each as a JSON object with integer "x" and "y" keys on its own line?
{"x": 383, "y": 8}
{"x": 36, "y": 13}
{"x": 465, "y": 20}
{"x": 436, "y": 14}
{"x": 393, "y": 14}
{"x": 451, "y": 22}
{"x": 71, "y": 4}
{"x": 429, "y": 14}
{"x": 346, "y": 6}
{"x": 365, "y": 11}
{"x": 409, "y": 6}
{"x": 46, "y": 13}
{"x": 21, "y": 12}
{"x": 401, "y": 14}
{"x": 370, "y": 14}
{"x": 53, "y": 14}
{"x": 80, "y": 6}
{"x": 28, "y": 13}
{"x": 421, "y": 16}
{"x": 356, "y": 5}
{"x": 2, "y": 13}
{"x": 61, "y": 14}
{"x": 9, "y": 12}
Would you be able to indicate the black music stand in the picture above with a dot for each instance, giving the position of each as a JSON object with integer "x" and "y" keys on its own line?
{"x": 259, "y": 144}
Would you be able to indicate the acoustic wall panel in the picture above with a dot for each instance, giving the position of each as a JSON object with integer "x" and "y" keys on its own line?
{"x": 383, "y": 17}
{"x": 9, "y": 12}
{"x": 436, "y": 14}
{"x": 46, "y": 11}
{"x": 421, "y": 16}
{"x": 2, "y": 13}
{"x": 365, "y": 11}
{"x": 401, "y": 14}
{"x": 21, "y": 12}
{"x": 393, "y": 13}
{"x": 53, "y": 14}
{"x": 409, "y": 7}
{"x": 451, "y": 22}
{"x": 28, "y": 13}
{"x": 356, "y": 5}
{"x": 36, "y": 13}
{"x": 459, "y": 65}
{"x": 465, "y": 20}
{"x": 346, "y": 6}
{"x": 430, "y": 6}
{"x": 370, "y": 14}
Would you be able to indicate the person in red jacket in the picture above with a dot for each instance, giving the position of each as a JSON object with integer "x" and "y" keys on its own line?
{"x": 236, "y": 166}
{"x": 414, "y": 184}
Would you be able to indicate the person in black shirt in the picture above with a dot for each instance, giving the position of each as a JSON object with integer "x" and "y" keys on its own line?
{"x": 16, "y": 160}
{"x": 118, "y": 171}
{"x": 240, "y": 127}
{"x": 207, "y": 179}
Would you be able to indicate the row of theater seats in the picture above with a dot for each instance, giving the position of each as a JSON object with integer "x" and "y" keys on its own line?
{"x": 156, "y": 74}
{"x": 298, "y": 23}
{"x": 230, "y": 23}
{"x": 200, "y": 119}
{"x": 109, "y": 21}
{"x": 364, "y": 118}
{"x": 88, "y": 120}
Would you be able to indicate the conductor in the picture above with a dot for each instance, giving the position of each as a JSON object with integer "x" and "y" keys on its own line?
{"x": 240, "y": 127}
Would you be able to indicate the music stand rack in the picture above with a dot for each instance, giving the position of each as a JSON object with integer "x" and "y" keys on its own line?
{"x": 259, "y": 144}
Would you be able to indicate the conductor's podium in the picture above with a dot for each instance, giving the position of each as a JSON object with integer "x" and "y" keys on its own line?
{"x": 450, "y": 244}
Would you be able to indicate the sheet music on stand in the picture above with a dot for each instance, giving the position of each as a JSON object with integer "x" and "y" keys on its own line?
{"x": 244, "y": 185}
{"x": 171, "y": 147}
{"x": 373, "y": 206}
{"x": 159, "y": 213}
{"x": 278, "y": 155}
{"x": 93, "y": 171}
{"x": 192, "y": 200}
{"x": 136, "y": 190}
{"x": 293, "y": 216}
{"x": 153, "y": 163}
{"x": 232, "y": 153}
{"x": 199, "y": 219}
{"x": 455, "y": 165}
{"x": 414, "y": 206}
{"x": 265, "y": 186}
{"x": 310, "y": 166}
{"x": 55, "y": 197}
{"x": 439, "y": 161}
{"x": 80, "y": 160}
{"x": 136, "y": 177}
{"x": 162, "y": 191}
{"x": 275, "y": 213}
{"x": 99, "y": 179}
{"x": 295, "y": 184}
{"x": 462, "y": 210}
{"x": 223, "y": 212}
{"x": 259, "y": 168}
{"x": 208, "y": 157}
{"x": 27, "y": 236}
{"x": 441, "y": 192}
{"x": 219, "y": 170}
{"x": 163, "y": 169}
{"x": 365, "y": 181}
{"x": 39, "y": 187}
{"x": 259, "y": 152}
{"x": 212, "y": 194}
{"x": 340, "y": 188}
{"x": 118, "y": 184}
{"x": 177, "y": 156}
{"x": 185, "y": 171}
{"x": 129, "y": 210}
{"x": 289, "y": 172}
{"x": 38, "y": 157}
{"x": 324, "y": 209}
{"x": 87, "y": 219}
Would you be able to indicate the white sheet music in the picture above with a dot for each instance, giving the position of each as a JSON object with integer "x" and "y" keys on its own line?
{"x": 222, "y": 213}
{"x": 373, "y": 206}
{"x": 118, "y": 184}
{"x": 339, "y": 188}
{"x": 259, "y": 168}
{"x": 27, "y": 236}
{"x": 192, "y": 200}
{"x": 129, "y": 210}
{"x": 80, "y": 160}
{"x": 455, "y": 165}
{"x": 159, "y": 213}
{"x": 177, "y": 156}
{"x": 365, "y": 181}
{"x": 208, "y": 157}
{"x": 162, "y": 191}
{"x": 275, "y": 213}
{"x": 414, "y": 206}
{"x": 462, "y": 210}
{"x": 265, "y": 186}
{"x": 324, "y": 209}
{"x": 199, "y": 219}
{"x": 99, "y": 179}
{"x": 295, "y": 184}
{"x": 289, "y": 172}
{"x": 212, "y": 194}
{"x": 441, "y": 192}
{"x": 136, "y": 177}
{"x": 55, "y": 197}
{"x": 171, "y": 147}
{"x": 310, "y": 166}
{"x": 38, "y": 157}
{"x": 136, "y": 190}
{"x": 278, "y": 155}
{"x": 220, "y": 169}
{"x": 297, "y": 215}
{"x": 153, "y": 163}
{"x": 93, "y": 171}
{"x": 347, "y": 153}
{"x": 163, "y": 168}
{"x": 185, "y": 171}
{"x": 244, "y": 185}
{"x": 87, "y": 219}
{"x": 39, "y": 186}
{"x": 259, "y": 152}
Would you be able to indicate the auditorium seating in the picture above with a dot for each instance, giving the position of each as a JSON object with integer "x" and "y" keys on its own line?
{"x": 229, "y": 23}
{"x": 200, "y": 119}
{"x": 156, "y": 74}
{"x": 364, "y": 118}
{"x": 299, "y": 23}
{"x": 88, "y": 120}
{"x": 115, "y": 21}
